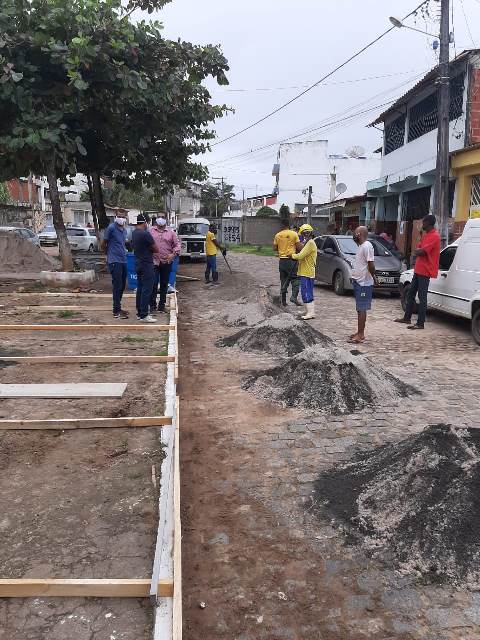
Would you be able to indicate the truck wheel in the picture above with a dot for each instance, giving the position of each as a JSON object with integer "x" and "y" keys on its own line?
{"x": 476, "y": 326}
{"x": 404, "y": 296}
{"x": 339, "y": 283}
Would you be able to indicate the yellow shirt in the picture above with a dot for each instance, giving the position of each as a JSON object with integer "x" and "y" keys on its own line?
{"x": 210, "y": 246}
{"x": 285, "y": 242}
{"x": 307, "y": 260}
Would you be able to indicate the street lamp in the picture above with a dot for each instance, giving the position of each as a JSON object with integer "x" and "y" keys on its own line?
{"x": 440, "y": 197}
{"x": 399, "y": 24}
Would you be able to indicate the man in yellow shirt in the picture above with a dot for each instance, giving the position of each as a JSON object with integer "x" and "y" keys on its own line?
{"x": 211, "y": 247}
{"x": 307, "y": 261}
{"x": 285, "y": 243}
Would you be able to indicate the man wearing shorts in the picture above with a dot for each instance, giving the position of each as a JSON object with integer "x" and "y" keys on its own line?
{"x": 363, "y": 279}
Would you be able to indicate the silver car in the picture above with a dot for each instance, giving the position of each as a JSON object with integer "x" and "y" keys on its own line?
{"x": 335, "y": 262}
{"x": 26, "y": 234}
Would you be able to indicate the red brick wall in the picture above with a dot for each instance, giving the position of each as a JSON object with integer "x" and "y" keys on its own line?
{"x": 474, "y": 137}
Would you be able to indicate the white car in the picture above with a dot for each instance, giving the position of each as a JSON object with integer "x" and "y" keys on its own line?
{"x": 48, "y": 236}
{"x": 456, "y": 289}
{"x": 24, "y": 233}
{"x": 82, "y": 239}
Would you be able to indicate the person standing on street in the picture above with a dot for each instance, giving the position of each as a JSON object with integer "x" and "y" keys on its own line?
{"x": 168, "y": 248}
{"x": 286, "y": 243}
{"x": 307, "y": 261}
{"x": 363, "y": 279}
{"x": 211, "y": 247}
{"x": 143, "y": 247}
{"x": 114, "y": 244}
{"x": 426, "y": 266}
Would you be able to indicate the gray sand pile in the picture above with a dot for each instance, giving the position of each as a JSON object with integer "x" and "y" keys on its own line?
{"x": 328, "y": 378}
{"x": 282, "y": 336}
{"x": 416, "y": 502}
{"x": 244, "y": 313}
{"x": 18, "y": 254}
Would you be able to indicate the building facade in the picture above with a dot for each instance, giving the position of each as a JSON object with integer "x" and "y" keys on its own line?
{"x": 404, "y": 191}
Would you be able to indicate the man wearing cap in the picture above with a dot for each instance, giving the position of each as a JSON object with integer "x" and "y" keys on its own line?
{"x": 143, "y": 248}
{"x": 211, "y": 247}
{"x": 113, "y": 244}
{"x": 167, "y": 248}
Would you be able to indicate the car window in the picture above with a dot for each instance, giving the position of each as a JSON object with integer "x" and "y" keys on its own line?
{"x": 446, "y": 258}
{"x": 319, "y": 242}
{"x": 329, "y": 244}
{"x": 193, "y": 229}
{"x": 76, "y": 232}
{"x": 350, "y": 247}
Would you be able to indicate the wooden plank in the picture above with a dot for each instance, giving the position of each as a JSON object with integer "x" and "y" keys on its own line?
{"x": 83, "y": 588}
{"x": 177, "y": 539}
{"x": 87, "y": 327}
{"x": 86, "y": 359}
{"x": 86, "y": 423}
{"x": 40, "y": 308}
{"x": 61, "y": 294}
{"x": 64, "y": 390}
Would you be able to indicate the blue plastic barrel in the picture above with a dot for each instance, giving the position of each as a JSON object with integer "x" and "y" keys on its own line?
{"x": 131, "y": 274}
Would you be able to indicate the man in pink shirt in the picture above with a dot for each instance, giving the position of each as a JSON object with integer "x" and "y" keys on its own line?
{"x": 167, "y": 248}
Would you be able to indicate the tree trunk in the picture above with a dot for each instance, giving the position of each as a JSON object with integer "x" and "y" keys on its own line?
{"x": 94, "y": 208}
{"x": 63, "y": 244}
{"x": 99, "y": 204}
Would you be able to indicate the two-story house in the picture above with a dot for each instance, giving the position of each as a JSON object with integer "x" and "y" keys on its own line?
{"x": 404, "y": 191}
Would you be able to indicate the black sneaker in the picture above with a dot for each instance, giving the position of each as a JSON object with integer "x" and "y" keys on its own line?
{"x": 162, "y": 310}
{"x": 123, "y": 315}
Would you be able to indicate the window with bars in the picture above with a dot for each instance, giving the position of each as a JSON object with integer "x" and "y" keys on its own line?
{"x": 424, "y": 115}
{"x": 395, "y": 134}
{"x": 475, "y": 196}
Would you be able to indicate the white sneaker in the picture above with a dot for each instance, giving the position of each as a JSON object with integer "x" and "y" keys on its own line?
{"x": 171, "y": 289}
{"x": 148, "y": 319}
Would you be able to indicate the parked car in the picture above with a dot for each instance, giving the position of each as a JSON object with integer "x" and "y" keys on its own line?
{"x": 388, "y": 245}
{"x": 192, "y": 233}
{"x": 27, "y": 234}
{"x": 82, "y": 239}
{"x": 335, "y": 262}
{"x": 456, "y": 289}
{"x": 48, "y": 236}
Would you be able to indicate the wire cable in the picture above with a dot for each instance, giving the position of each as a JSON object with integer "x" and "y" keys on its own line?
{"x": 328, "y": 75}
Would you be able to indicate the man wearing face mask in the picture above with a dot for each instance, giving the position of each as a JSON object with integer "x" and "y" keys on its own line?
{"x": 113, "y": 244}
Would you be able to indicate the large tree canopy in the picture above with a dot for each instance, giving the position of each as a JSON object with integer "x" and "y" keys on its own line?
{"x": 84, "y": 89}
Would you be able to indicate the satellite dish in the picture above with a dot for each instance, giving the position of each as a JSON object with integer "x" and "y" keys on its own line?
{"x": 341, "y": 188}
{"x": 356, "y": 152}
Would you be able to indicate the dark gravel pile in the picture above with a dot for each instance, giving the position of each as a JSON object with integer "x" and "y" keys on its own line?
{"x": 282, "y": 336}
{"x": 416, "y": 502}
{"x": 327, "y": 378}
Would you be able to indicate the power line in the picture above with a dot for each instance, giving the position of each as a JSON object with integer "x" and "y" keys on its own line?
{"x": 321, "y": 122}
{"x": 328, "y": 75}
{"x": 466, "y": 22}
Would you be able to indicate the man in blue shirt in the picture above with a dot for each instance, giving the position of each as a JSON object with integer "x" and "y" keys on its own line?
{"x": 114, "y": 245}
{"x": 143, "y": 248}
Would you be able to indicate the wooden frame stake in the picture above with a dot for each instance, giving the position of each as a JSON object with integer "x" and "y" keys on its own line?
{"x": 86, "y": 423}
{"x": 85, "y": 359}
{"x": 87, "y": 327}
{"x": 83, "y": 588}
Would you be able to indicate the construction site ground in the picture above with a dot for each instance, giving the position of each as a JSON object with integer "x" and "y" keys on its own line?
{"x": 254, "y": 550}
{"x": 80, "y": 503}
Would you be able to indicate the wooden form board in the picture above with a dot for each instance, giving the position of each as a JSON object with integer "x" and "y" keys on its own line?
{"x": 86, "y": 423}
{"x": 65, "y": 390}
{"x": 40, "y": 308}
{"x": 177, "y": 536}
{"x": 85, "y": 588}
{"x": 126, "y": 328}
{"x": 86, "y": 359}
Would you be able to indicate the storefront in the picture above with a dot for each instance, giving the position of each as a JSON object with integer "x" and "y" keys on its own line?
{"x": 466, "y": 168}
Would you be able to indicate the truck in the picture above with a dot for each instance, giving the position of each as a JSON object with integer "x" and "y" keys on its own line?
{"x": 192, "y": 233}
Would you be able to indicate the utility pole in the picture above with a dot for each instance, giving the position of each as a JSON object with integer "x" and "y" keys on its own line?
{"x": 309, "y": 214}
{"x": 441, "y": 195}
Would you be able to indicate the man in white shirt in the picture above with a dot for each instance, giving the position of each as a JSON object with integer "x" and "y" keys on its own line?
{"x": 363, "y": 279}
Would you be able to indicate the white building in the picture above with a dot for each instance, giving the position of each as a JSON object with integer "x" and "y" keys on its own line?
{"x": 303, "y": 164}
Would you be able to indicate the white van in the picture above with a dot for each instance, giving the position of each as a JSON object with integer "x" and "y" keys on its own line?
{"x": 456, "y": 289}
{"x": 192, "y": 233}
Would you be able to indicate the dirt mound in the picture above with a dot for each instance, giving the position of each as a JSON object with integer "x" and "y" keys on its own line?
{"x": 282, "y": 336}
{"x": 18, "y": 254}
{"x": 418, "y": 500}
{"x": 328, "y": 378}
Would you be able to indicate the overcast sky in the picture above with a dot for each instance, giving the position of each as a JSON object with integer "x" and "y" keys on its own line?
{"x": 280, "y": 44}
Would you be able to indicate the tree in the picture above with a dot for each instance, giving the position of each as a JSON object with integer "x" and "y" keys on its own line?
{"x": 266, "y": 212}
{"x": 4, "y": 194}
{"x": 216, "y": 198}
{"x": 284, "y": 212}
{"x": 85, "y": 90}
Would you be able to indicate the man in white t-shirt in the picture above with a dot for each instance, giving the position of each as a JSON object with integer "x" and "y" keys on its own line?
{"x": 363, "y": 279}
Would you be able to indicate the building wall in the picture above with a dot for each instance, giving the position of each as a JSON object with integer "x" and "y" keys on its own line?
{"x": 17, "y": 216}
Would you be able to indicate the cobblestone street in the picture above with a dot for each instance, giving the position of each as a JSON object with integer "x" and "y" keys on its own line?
{"x": 255, "y": 550}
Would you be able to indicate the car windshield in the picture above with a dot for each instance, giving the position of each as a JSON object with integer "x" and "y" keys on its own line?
{"x": 193, "y": 229}
{"x": 350, "y": 247}
{"x": 75, "y": 232}
{"x": 49, "y": 230}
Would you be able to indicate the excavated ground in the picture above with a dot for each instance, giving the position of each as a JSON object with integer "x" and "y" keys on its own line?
{"x": 416, "y": 501}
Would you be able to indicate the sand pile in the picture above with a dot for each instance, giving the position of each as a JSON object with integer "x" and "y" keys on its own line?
{"x": 281, "y": 336}
{"x": 328, "y": 378}
{"x": 417, "y": 500}
{"x": 18, "y": 254}
{"x": 245, "y": 313}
